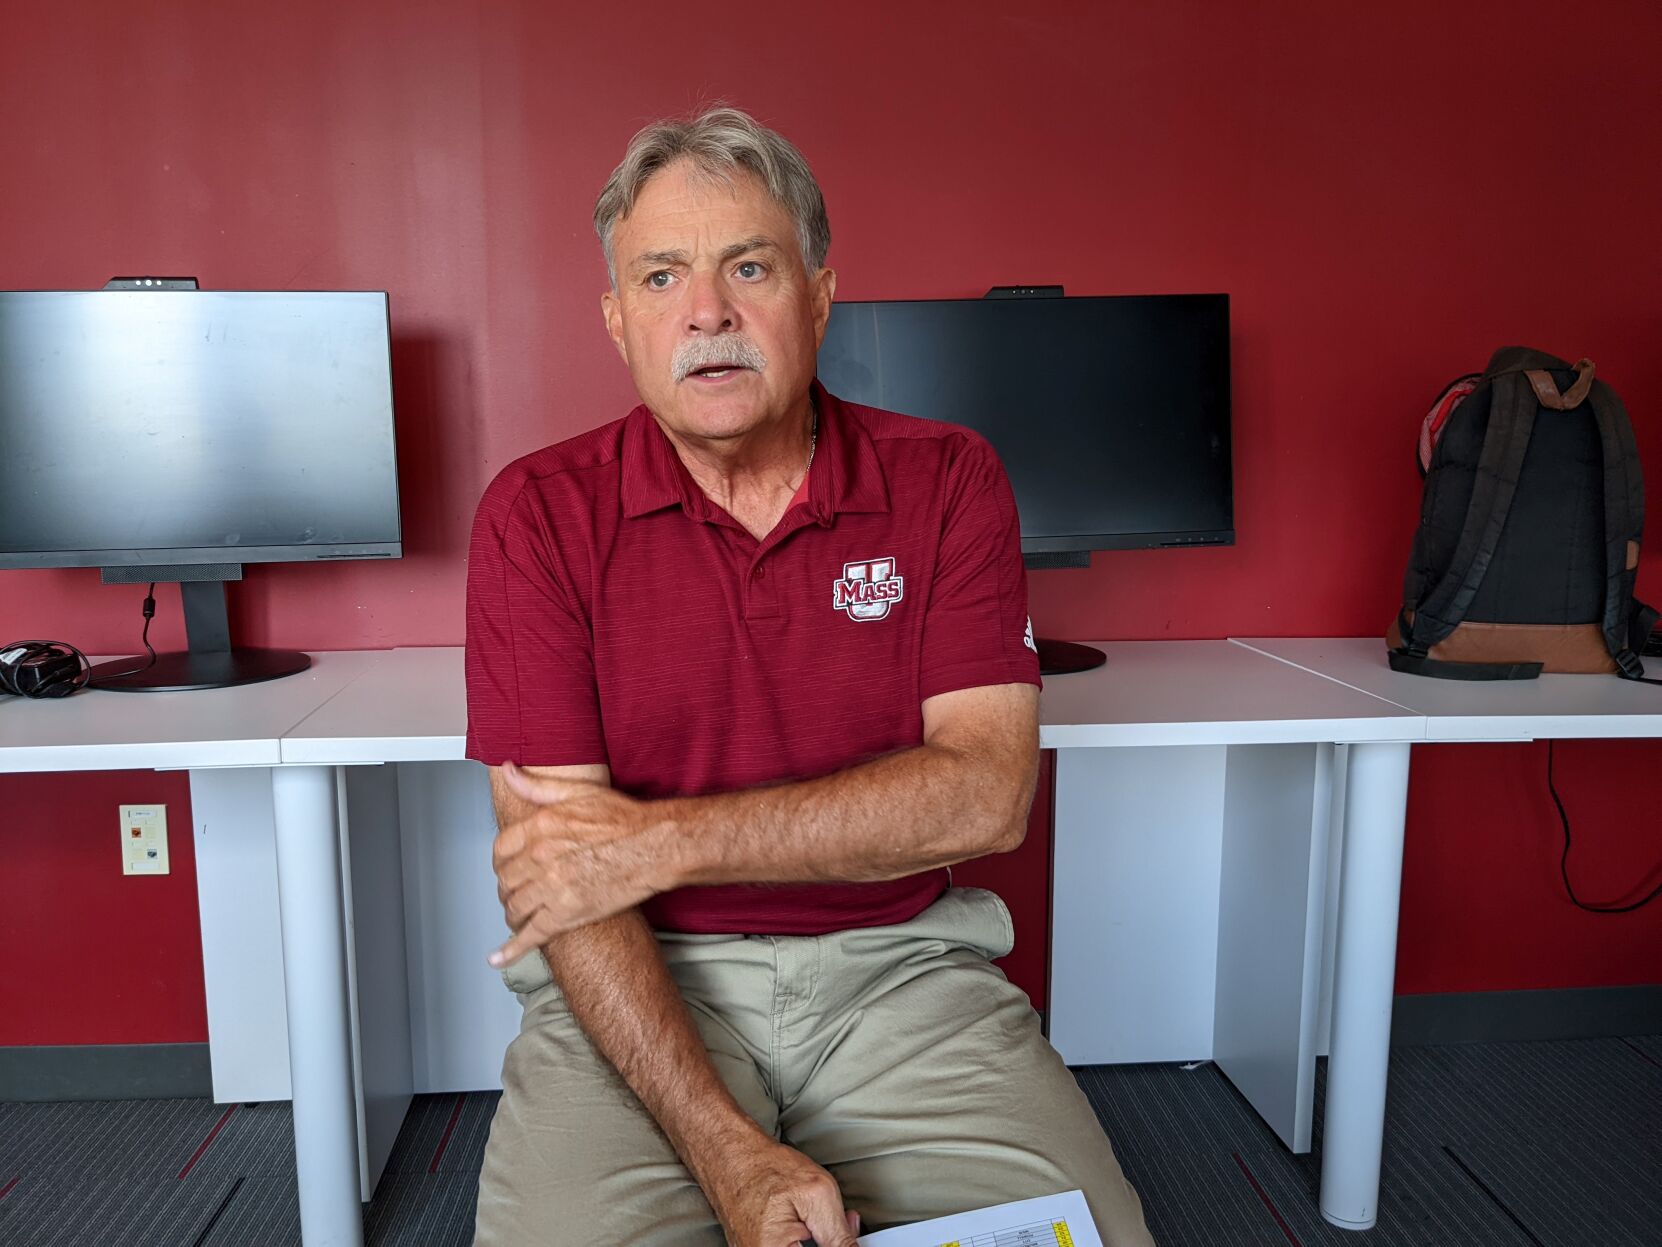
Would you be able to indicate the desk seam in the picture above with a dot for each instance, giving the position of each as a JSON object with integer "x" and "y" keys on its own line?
{"x": 1332, "y": 679}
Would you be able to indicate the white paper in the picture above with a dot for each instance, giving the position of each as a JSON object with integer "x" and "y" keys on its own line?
{"x": 1050, "y": 1221}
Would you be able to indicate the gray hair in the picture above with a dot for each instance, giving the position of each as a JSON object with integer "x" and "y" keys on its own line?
{"x": 719, "y": 141}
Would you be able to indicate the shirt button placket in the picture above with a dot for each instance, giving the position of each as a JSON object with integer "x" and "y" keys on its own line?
{"x": 761, "y": 592}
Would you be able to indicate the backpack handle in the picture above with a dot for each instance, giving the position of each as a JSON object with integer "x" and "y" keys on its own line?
{"x": 1546, "y": 389}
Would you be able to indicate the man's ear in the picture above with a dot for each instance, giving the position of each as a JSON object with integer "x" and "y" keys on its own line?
{"x": 612, "y": 310}
{"x": 824, "y": 291}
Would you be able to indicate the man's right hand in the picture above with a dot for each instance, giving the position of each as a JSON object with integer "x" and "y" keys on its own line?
{"x": 770, "y": 1195}
{"x": 614, "y": 979}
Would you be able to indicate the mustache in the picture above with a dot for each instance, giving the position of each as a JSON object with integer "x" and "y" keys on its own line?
{"x": 726, "y": 348}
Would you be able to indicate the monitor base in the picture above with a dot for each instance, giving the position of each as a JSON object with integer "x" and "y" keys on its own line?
{"x": 184, "y": 670}
{"x": 1064, "y": 657}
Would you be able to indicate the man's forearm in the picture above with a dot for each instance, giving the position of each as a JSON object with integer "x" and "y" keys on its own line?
{"x": 619, "y": 990}
{"x": 572, "y": 852}
{"x": 893, "y": 816}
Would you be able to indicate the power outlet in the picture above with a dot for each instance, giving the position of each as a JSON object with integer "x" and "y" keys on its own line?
{"x": 144, "y": 840}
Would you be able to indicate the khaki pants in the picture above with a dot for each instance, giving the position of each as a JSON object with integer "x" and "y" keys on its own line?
{"x": 896, "y": 1057}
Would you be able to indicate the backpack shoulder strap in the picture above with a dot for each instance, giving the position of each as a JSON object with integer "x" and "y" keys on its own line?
{"x": 1505, "y": 442}
{"x": 1413, "y": 664}
{"x": 1624, "y": 522}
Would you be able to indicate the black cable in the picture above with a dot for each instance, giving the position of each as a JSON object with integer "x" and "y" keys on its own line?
{"x": 1564, "y": 861}
{"x": 144, "y": 639}
{"x": 36, "y": 669}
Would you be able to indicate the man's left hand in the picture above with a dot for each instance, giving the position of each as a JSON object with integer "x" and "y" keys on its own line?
{"x": 585, "y": 853}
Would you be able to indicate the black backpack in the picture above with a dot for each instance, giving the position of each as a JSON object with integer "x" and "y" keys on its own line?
{"x": 1530, "y": 527}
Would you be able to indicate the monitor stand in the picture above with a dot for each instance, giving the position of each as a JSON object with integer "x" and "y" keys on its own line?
{"x": 1060, "y": 657}
{"x": 211, "y": 661}
{"x": 1065, "y": 657}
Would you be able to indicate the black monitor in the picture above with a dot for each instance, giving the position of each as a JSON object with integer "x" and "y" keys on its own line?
{"x": 169, "y": 435}
{"x": 1111, "y": 414}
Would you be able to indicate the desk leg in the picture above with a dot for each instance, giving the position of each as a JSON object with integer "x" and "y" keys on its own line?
{"x": 1376, "y": 799}
{"x": 310, "y": 905}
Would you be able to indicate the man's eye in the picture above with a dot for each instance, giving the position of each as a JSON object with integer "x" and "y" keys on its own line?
{"x": 658, "y": 280}
{"x": 749, "y": 269}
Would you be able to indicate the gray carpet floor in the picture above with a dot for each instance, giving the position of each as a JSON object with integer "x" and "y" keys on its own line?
{"x": 1511, "y": 1145}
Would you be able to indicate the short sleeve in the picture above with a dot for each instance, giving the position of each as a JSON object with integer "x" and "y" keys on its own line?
{"x": 531, "y": 694}
{"x": 976, "y": 631}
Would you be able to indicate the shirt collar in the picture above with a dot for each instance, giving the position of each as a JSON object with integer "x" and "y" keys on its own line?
{"x": 652, "y": 471}
{"x": 846, "y": 474}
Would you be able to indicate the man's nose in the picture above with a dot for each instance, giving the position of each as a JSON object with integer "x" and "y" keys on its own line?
{"x": 710, "y": 306}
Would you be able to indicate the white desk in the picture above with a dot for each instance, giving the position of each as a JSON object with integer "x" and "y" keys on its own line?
{"x": 1553, "y": 707}
{"x": 1252, "y": 796}
{"x": 1550, "y": 707}
{"x": 1203, "y": 693}
{"x": 1195, "y": 809}
{"x": 97, "y": 731}
{"x": 411, "y": 706}
{"x": 239, "y": 730}
{"x": 1221, "y": 810}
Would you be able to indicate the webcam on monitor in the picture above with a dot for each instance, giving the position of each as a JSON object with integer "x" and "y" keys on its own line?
{"x": 151, "y": 283}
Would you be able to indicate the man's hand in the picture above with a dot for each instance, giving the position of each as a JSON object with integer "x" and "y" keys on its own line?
{"x": 572, "y": 853}
{"x": 583, "y": 854}
{"x": 770, "y": 1195}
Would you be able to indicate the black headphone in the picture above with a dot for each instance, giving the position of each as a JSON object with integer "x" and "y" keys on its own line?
{"x": 42, "y": 669}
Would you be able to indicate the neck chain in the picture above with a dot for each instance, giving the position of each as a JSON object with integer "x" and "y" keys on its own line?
{"x": 813, "y": 442}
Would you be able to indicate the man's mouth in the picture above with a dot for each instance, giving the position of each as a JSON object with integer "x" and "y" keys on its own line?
{"x": 715, "y": 372}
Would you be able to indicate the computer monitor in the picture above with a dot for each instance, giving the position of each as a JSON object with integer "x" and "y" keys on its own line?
{"x": 1111, "y": 414}
{"x": 178, "y": 434}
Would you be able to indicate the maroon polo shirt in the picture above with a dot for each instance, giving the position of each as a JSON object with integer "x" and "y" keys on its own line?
{"x": 616, "y": 614}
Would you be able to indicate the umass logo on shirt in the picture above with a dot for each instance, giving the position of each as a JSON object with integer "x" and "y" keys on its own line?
{"x": 868, "y": 588}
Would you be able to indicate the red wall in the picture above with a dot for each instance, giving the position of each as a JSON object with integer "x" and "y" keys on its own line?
{"x": 92, "y": 955}
{"x": 1387, "y": 194}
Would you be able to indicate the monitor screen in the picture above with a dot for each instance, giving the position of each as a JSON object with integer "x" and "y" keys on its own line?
{"x": 1111, "y": 414}
{"x": 194, "y": 426}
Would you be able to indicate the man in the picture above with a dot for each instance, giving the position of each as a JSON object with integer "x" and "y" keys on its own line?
{"x": 749, "y": 669}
